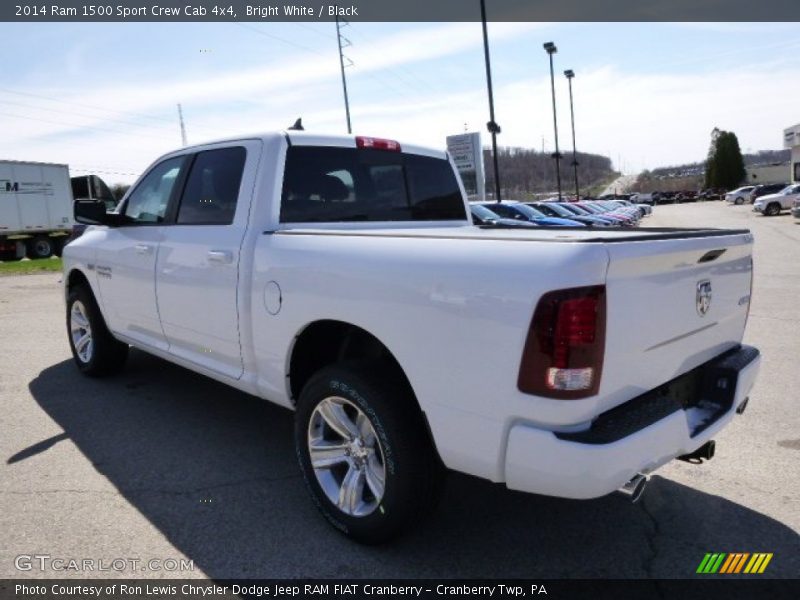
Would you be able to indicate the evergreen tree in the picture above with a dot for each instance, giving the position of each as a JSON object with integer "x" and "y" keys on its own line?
{"x": 725, "y": 164}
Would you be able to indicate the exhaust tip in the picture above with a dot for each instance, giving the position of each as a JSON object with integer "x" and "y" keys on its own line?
{"x": 634, "y": 488}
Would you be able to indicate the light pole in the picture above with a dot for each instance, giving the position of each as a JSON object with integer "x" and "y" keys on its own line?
{"x": 569, "y": 73}
{"x": 551, "y": 49}
{"x": 492, "y": 126}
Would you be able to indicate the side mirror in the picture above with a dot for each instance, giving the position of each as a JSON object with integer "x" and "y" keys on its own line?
{"x": 92, "y": 212}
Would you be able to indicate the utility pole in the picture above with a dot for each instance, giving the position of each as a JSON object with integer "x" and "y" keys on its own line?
{"x": 569, "y": 73}
{"x": 551, "y": 49}
{"x": 492, "y": 126}
{"x": 339, "y": 39}
{"x": 183, "y": 127}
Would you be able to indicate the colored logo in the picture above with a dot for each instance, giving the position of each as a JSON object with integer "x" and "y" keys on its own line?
{"x": 735, "y": 562}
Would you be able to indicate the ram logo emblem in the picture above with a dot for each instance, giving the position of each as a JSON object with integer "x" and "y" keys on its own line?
{"x": 703, "y": 300}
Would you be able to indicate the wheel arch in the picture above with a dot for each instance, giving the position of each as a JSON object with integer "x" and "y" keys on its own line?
{"x": 328, "y": 341}
{"x": 76, "y": 277}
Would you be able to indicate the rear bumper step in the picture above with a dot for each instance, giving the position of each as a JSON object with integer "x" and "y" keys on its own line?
{"x": 704, "y": 393}
{"x": 675, "y": 420}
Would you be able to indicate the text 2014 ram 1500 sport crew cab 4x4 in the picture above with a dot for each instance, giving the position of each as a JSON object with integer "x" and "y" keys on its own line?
{"x": 342, "y": 277}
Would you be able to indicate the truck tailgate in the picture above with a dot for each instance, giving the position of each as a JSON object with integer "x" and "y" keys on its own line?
{"x": 672, "y": 304}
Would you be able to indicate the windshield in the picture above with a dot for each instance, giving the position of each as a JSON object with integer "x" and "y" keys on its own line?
{"x": 483, "y": 213}
{"x": 559, "y": 210}
{"x": 529, "y": 211}
{"x": 578, "y": 210}
{"x": 331, "y": 184}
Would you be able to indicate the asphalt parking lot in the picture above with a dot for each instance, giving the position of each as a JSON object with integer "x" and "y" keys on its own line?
{"x": 160, "y": 463}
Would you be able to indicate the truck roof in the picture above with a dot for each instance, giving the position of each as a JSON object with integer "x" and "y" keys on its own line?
{"x": 307, "y": 138}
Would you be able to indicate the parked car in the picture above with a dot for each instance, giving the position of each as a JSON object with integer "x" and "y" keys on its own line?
{"x": 555, "y": 209}
{"x": 739, "y": 195}
{"x": 511, "y": 209}
{"x": 764, "y": 189}
{"x": 341, "y": 278}
{"x": 644, "y": 210}
{"x": 576, "y": 209}
{"x": 599, "y": 209}
{"x": 772, "y": 204}
{"x": 616, "y": 206}
{"x": 796, "y": 209}
{"x": 711, "y": 194}
{"x": 645, "y": 198}
{"x": 485, "y": 217}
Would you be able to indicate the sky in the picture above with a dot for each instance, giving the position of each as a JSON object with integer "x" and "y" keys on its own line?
{"x": 102, "y": 97}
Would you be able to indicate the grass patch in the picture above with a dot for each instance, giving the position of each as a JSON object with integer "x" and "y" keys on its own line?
{"x": 26, "y": 267}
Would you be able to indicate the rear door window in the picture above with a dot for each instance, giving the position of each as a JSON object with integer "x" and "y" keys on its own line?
{"x": 328, "y": 184}
{"x": 212, "y": 188}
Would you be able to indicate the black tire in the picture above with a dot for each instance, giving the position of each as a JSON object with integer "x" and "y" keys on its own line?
{"x": 773, "y": 209}
{"x": 413, "y": 473}
{"x": 105, "y": 355}
{"x": 738, "y": 201}
{"x": 58, "y": 246}
{"x": 39, "y": 247}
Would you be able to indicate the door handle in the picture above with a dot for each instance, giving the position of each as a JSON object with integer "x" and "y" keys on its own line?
{"x": 220, "y": 256}
{"x": 142, "y": 248}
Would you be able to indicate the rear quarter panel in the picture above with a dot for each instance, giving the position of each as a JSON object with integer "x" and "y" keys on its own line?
{"x": 454, "y": 313}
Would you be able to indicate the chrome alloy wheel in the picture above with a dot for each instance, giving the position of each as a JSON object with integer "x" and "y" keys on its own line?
{"x": 346, "y": 456}
{"x": 81, "y": 332}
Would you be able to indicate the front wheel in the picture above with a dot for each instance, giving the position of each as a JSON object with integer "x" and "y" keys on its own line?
{"x": 738, "y": 201}
{"x": 94, "y": 349}
{"x": 366, "y": 456}
{"x": 772, "y": 210}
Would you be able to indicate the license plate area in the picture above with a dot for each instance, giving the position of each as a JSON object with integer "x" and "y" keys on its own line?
{"x": 704, "y": 394}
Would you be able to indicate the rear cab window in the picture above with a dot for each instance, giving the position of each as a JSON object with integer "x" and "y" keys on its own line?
{"x": 332, "y": 185}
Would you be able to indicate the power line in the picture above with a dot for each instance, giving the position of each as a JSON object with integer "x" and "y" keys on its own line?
{"x": 62, "y": 101}
{"x": 101, "y": 171}
{"x": 399, "y": 69}
{"x": 84, "y": 115}
{"x": 280, "y": 39}
{"x": 315, "y": 30}
{"x": 76, "y": 126}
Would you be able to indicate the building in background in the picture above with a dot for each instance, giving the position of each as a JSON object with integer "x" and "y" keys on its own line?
{"x": 791, "y": 140}
{"x": 768, "y": 173}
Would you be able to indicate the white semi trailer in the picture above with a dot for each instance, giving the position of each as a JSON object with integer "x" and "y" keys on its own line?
{"x": 35, "y": 209}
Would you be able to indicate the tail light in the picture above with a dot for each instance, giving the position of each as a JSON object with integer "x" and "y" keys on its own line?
{"x": 377, "y": 144}
{"x": 563, "y": 355}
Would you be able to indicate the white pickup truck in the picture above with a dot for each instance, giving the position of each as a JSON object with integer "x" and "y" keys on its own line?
{"x": 341, "y": 277}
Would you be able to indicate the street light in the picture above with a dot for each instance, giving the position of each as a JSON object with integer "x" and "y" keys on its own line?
{"x": 569, "y": 73}
{"x": 492, "y": 125}
{"x": 551, "y": 49}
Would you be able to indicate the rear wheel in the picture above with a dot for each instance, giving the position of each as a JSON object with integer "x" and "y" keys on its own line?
{"x": 772, "y": 209}
{"x": 40, "y": 247}
{"x": 366, "y": 456}
{"x": 94, "y": 349}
